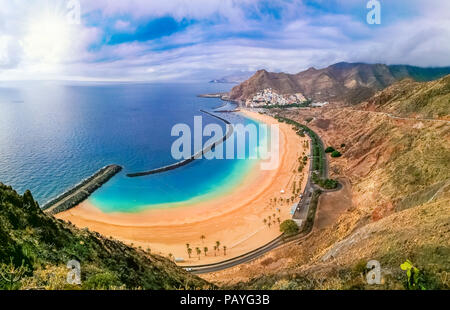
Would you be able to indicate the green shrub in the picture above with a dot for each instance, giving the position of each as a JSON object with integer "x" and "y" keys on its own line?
{"x": 289, "y": 228}
{"x": 102, "y": 281}
{"x": 336, "y": 154}
{"x": 329, "y": 149}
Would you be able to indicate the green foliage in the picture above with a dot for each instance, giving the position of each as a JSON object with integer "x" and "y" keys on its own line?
{"x": 289, "y": 228}
{"x": 336, "y": 154}
{"x": 317, "y": 148}
{"x": 329, "y": 149}
{"x": 414, "y": 277}
{"x": 11, "y": 275}
{"x": 102, "y": 281}
{"x": 324, "y": 183}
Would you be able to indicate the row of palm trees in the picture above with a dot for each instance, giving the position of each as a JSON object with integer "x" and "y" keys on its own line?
{"x": 198, "y": 251}
{"x": 272, "y": 219}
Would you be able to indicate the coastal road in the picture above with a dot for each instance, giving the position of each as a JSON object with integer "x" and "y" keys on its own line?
{"x": 236, "y": 260}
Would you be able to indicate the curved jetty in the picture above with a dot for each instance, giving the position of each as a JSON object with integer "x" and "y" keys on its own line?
{"x": 81, "y": 191}
{"x": 193, "y": 157}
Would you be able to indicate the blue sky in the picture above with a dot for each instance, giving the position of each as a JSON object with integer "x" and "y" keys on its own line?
{"x": 199, "y": 40}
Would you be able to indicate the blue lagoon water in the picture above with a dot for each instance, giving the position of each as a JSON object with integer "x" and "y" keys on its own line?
{"x": 54, "y": 134}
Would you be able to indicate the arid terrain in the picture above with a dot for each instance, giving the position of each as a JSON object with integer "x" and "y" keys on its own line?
{"x": 395, "y": 204}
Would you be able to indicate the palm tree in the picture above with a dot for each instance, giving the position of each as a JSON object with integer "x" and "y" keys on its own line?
{"x": 265, "y": 221}
{"x": 203, "y": 238}
{"x": 187, "y": 245}
{"x": 189, "y": 250}
{"x": 215, "y": 250}
{"x": 218, "y": 245}
{"x": 278, "y": 219}
{"x": 269, "y": 224}
{"x": 198, "y": 252}
{"x": 224, "y": 250}
{"x": 170, "y": 256}
{"x": 205, "y": 249}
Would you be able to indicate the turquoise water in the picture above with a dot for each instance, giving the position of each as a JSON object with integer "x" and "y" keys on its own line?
{"x": 54, "y": 134}
{"x": 200, "y": 180}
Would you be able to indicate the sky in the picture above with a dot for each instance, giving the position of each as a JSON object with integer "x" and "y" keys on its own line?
{"x": 201, "y": 40}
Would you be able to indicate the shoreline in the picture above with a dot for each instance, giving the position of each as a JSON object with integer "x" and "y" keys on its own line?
{"x": 235, "y": 219}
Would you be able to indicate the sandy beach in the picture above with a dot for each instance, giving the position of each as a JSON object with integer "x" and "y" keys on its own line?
{"x": 236, "y": 220}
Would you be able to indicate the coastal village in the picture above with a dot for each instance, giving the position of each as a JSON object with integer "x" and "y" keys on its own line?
{"x": 269, "y": 97}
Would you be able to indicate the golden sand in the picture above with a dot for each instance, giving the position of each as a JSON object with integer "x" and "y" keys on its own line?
{"x": 236, "y": 220}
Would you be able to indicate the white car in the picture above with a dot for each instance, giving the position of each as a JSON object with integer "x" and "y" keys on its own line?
{"x": 188, "y": 269}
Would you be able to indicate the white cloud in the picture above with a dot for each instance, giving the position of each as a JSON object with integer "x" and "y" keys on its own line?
{"x": 232, "y": 42}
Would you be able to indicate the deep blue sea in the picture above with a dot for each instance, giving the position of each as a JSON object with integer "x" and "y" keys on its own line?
{"x": 54, "y": 134}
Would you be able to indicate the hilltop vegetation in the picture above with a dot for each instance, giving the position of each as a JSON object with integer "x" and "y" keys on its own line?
{"x": 38, "y": 247}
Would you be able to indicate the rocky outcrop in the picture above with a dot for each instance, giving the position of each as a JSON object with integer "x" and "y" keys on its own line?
{"x": 81, "y": 191}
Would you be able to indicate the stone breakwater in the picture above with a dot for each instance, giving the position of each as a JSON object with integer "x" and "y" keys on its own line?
{"x": 193, "y": 157}
{"x": 81, "y": 191}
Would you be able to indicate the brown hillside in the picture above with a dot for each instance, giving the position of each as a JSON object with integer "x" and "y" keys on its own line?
{"x": 349, "y": 82}
{"x": 398, "y": 172}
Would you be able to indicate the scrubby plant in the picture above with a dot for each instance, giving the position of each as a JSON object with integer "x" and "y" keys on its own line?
{"x": 289, "y": 227}
{"x": 336, "y": 154}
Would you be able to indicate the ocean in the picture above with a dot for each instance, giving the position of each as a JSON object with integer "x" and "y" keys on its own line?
{"x": 54, "y": 134}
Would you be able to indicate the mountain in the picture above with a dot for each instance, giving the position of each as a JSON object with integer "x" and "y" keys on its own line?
{"x": 236, "y": 78}
{"x": 348, "y": 82}
{"x": 408, "y": 98}
{"x": 395, "y": 201}
{"x": 37, "y": 247}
